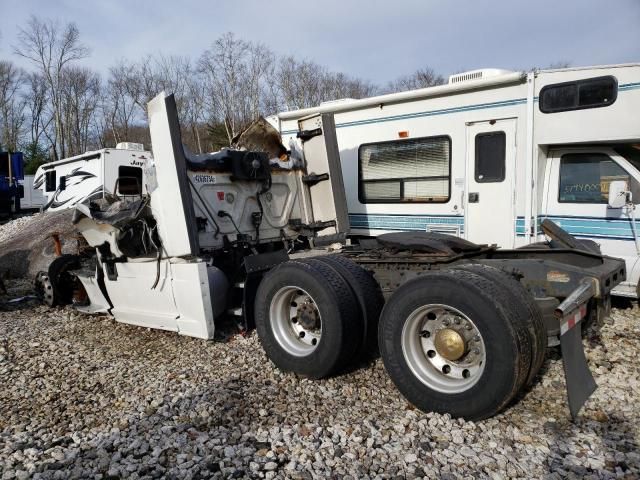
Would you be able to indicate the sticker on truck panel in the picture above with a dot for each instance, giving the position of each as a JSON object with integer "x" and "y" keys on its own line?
{"x": 559, "y": 277}
{"x": 202, "y": 178}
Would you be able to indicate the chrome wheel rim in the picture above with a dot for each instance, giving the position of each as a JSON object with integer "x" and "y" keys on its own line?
{"x": 431, "y": 339}
{"x": 296, "y": 322}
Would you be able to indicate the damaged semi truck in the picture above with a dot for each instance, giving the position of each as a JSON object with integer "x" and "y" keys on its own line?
{"x": 461, "y": 328}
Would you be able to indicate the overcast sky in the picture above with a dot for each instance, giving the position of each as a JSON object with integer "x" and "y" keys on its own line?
{"x": 375, "y": 40}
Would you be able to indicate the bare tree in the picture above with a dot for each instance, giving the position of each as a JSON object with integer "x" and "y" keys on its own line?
{"x": 121, "y": 102}
{"x": 36, "y": 99}
{"x": 304, "y": 84}
{"x": 421, "y": 78}
{"x": 12, "y": 105}
{"x": 79, "y": 101}
{"x": 235, "y": 73}
{"x": 51, "y": 48}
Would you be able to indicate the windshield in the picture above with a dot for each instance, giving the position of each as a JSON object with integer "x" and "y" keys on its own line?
{"x": 631, "y": 153}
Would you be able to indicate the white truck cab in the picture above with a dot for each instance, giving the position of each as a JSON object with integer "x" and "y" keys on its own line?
{"x": 576, "y": 191}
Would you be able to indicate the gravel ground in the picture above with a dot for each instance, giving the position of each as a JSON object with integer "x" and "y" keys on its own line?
{"x": 86, "y": 397}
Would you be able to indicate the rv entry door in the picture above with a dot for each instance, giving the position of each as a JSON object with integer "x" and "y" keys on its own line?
{"x": 325, "y": 200}
{"x": 490, "y": 194}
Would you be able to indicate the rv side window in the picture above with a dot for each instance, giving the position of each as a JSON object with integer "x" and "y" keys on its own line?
{"x": 50, "y": 181}
{"x": 5, "y": 159}
{"x": 490, "y": 157}
{"x": 416, "y": 170}
{"x": 589, "y": 93}
{"x": 129, "y": 180}
{"x": 585, "y": 178}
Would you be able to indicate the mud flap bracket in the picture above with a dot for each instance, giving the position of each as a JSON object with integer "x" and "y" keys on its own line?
{"x": 578, "y": 377}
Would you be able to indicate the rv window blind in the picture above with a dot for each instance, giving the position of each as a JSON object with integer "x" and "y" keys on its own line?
{"x": 585, "y": 178}
{"x": 588, "y": 93}
{"x": 416, "y": 170}
{"x": 490, "y": 157}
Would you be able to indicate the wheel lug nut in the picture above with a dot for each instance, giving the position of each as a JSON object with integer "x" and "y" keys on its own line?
{"x": 476, "y": 351}
{"x": 476, "y": 338}
{"x": 457, "y": 321}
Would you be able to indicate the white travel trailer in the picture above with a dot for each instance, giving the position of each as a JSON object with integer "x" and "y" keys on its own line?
{"x": 493, "y": 153}
{"x": 67, "y": 182}
{"x": 32, "y": 198}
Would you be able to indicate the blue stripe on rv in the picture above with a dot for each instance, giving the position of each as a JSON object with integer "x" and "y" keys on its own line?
{"x": 443, "y": 111}
{"x": 589, "y": 227}
{"x": 402, "y": 222}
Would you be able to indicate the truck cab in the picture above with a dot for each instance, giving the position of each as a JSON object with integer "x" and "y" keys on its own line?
{"x": 576, "y": 194}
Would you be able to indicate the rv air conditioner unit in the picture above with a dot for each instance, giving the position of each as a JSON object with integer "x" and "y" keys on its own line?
{"x": 476, "y": 75}
{"x": 138, "y": 147}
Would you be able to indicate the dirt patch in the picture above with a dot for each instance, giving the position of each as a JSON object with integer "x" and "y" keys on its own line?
{"x": 26, "y": 246}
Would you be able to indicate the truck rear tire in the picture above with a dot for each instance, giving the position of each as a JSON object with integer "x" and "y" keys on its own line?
{"x": 528, "y": 312}
{"x": 307, "y": 318}
{"x": 449, "y": 344}
{"x": 62, "y": 282}
{"x": 368, "y": 294}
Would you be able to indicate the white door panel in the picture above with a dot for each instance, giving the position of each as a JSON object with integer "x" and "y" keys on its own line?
{"x": 491, "y": 157}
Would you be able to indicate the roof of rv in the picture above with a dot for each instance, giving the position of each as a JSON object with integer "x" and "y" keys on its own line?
{"x": 88, "y": 156}
{"x": 497, "y": 77}
{"x": 461, "y": 82}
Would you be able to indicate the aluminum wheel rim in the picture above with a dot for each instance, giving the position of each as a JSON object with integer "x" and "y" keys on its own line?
{"x": 428, "y": 364}
{"x": 291, "y": 335}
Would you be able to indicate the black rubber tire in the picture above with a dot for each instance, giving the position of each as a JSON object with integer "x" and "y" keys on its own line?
{"x": 368, "y": 294}
{"x": 529, "y": 313}
{"x": 61, "y": 280}
{"x": 508, "y": 354}
{"x": 341, "y": 327}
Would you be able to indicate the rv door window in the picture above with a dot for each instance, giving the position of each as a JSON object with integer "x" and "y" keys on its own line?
{"x": 585, "y": 178}
{"x": 416, "y": 170}
{"x": 129, "y": 180}
{"x": 50, "y": 181}
{"x": 490, "y": 157}
{"x": 588, "y": 93}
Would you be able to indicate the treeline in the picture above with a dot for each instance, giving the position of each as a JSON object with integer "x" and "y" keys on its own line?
{"x": 59, "y": 108}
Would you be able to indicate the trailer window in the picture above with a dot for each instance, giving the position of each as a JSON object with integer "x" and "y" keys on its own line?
{"x": 129, "y": 180}
{"x": 490, "y": 157}
{"x": 416, "y": 170}
{"x": 50, "y": 181}
{"x": 589, "y": 93}
{"x": 585, "y": 178}
{"x": 5, "y": 159}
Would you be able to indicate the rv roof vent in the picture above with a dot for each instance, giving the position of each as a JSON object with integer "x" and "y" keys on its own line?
{"x": 130, "y": 146}
{"x": 476, "y": 75}
{"x": 337, "y": 101}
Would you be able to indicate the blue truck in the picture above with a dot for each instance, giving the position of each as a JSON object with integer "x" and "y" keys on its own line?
{"x": 11, "y": 176}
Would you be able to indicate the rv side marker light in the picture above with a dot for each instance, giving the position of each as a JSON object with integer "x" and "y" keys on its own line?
{"x": 403, "y": 134}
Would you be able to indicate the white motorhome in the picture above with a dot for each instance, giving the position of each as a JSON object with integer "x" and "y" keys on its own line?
{"x": 493, "y": 153}
{"x": 67, "y": 182}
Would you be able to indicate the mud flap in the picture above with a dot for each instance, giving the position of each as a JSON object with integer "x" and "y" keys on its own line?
{"x": 580, "y": 382}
